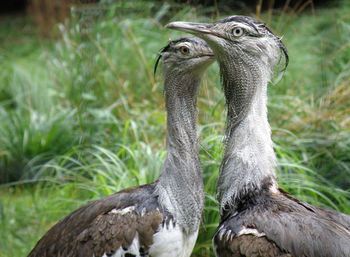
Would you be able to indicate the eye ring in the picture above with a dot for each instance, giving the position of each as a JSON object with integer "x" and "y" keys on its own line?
{"x": 184, "y": 50}
{"x": 237, "y": 31}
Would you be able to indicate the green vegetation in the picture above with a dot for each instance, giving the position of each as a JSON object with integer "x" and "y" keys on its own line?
{"x": 83, "y": 116}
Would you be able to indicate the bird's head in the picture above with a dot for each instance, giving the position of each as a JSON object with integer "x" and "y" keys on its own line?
{"x": 237, "y": 36}
{"x": 185, "y": 55}
{"x": 247, "y": 52}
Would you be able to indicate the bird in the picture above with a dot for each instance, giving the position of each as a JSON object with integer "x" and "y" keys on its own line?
{"x": 157, "y": 219}
{"x": 257, "y": 217}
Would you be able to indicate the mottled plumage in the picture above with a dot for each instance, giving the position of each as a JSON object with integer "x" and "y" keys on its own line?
{"x": 106, "y": 225}
{"x": 257, "y": 217}
{"x": 157, "y": 219}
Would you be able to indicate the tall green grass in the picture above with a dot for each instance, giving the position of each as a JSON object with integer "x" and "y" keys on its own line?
{"x": 83, "y": 116}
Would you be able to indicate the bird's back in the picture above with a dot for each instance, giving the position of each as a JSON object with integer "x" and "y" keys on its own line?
{"x": 276, "y": 224}
{"x": 107, "y": 226}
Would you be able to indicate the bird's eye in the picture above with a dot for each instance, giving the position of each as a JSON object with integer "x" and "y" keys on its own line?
{"x": 184, "y": 50}
{"x": 237, "y": 32}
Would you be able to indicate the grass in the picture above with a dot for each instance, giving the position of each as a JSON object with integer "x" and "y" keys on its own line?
{"x": 83, "y": 116}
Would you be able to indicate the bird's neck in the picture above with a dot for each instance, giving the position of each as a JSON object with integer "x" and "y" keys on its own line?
{"x": 180, "y": 184}
{"x": 249, "y": 160}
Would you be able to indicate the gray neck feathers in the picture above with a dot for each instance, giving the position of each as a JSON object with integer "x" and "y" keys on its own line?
{"x": 249, "y": 159}
{"x": 180, "y": 186}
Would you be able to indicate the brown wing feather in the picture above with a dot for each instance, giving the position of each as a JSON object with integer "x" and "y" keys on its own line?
{"x": 337, "y": 217}
{"x": 248, "y": 246}
{"x": 95, "y": 229}
{"x": 289, "y": 224}
{"x": 301, "y": 229}
{"x": 111, "y": 231}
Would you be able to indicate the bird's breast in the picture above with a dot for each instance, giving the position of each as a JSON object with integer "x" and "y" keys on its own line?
{"x": 172, "y": 241}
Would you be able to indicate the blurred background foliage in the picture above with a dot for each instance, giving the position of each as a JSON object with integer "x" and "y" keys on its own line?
{"x": 82, "y": 115}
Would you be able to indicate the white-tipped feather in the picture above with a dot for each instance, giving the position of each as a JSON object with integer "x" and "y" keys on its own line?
{"x": 250, "y": 231}
{"x": 222, "y": 233}
{"x": 122, "y": 211}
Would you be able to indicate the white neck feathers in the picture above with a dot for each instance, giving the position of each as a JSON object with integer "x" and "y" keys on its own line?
{"x": 249, "y": 159}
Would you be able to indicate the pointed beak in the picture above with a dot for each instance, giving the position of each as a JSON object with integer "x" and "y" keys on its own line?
{"x": 191, "y": 27}
{"x": 210, "y": 56}
{"x": 209, "y": 53}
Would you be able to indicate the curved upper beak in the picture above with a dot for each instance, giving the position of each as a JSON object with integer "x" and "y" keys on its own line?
{"x": 210, "y": 55}
{"x": 191, "y": 27}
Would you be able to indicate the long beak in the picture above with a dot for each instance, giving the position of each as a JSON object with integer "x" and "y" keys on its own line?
{"x": 191, "y": 27}
{"x": 210, "y": 56}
